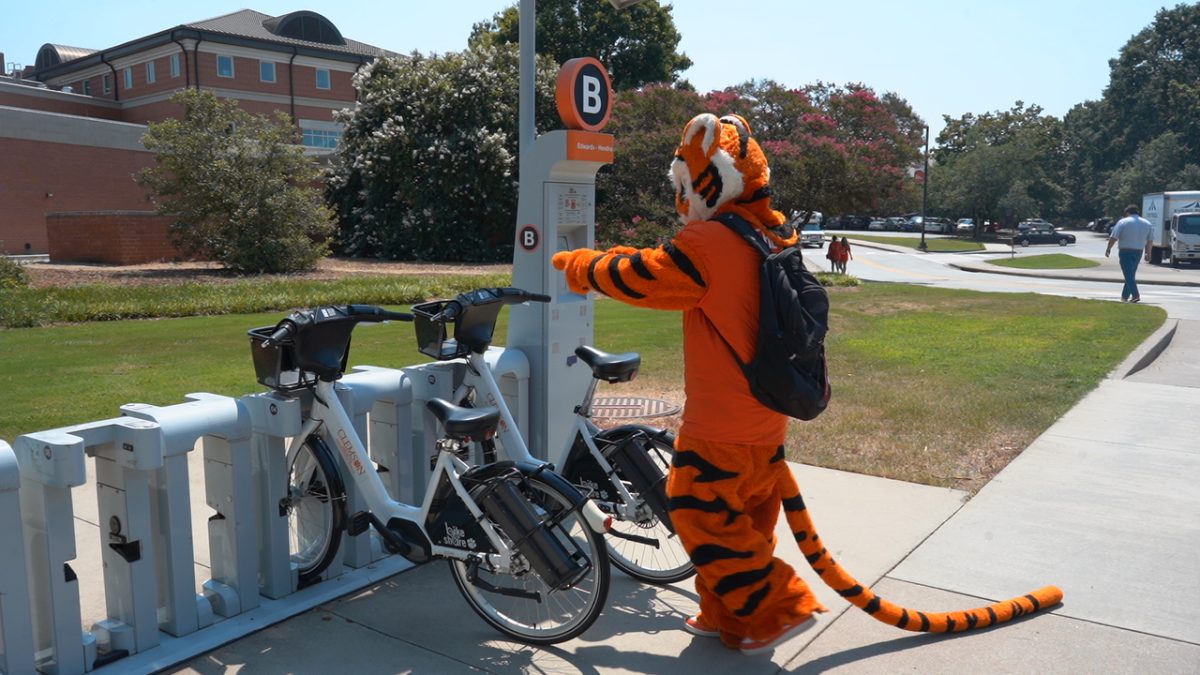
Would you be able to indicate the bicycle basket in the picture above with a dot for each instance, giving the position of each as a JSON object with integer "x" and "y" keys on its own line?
{"x": 431, "y": 332}
{"x": 275, "y": 365}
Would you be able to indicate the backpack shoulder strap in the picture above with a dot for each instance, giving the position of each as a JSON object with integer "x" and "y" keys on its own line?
{"x": 747, "y": 231}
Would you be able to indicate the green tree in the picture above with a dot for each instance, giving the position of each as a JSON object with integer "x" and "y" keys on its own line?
{"x": 843, "y": 153}
{"x": 1153, "y": 90}
{"x": 1003, "y": 165}
{"x": 1154, "y": 83}
{"x": 427, "y": 165}
{"x": 637, "y": 45}
{"x": 1159, "y": 165}
{"x": 238, "y": 185}
{"x": 634, "y": 201}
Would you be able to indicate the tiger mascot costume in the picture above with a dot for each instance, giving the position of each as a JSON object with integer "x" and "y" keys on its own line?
{"x": 728, "y": 477}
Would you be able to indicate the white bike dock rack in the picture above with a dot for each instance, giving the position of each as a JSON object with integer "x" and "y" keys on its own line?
{"x": 154, "y": 614}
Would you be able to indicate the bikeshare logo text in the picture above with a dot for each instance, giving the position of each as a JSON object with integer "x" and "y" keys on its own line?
{"x": 457, "y": 537}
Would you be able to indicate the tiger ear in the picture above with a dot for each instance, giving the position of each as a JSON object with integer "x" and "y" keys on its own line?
{"x": 705, "y": 123}
{"x": 740, "y": 122}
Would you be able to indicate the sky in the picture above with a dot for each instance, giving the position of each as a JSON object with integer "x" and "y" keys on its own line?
{"x": 945, "y": 57}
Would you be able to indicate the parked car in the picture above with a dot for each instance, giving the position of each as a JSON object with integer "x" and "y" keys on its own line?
{"x": 1103, "y": 224}
{"x": 877, "y": 225}
{"x": 1043, "y": 235}
{"x": 848, "y": 222}
{"x": 896, "y": 223}
{"x": 812, "y": 235}
{"x": 965, "y": 226}
{"x": 937, "y": 225}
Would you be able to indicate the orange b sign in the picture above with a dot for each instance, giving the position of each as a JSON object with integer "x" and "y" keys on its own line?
{"x": 584, "y": 94}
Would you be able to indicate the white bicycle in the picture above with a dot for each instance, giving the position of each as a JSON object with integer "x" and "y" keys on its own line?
{"x": 523, "y": 545}
{"x": 623, "y": 469}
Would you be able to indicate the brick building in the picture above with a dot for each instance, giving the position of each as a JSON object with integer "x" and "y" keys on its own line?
{"x": 71, "y": 125}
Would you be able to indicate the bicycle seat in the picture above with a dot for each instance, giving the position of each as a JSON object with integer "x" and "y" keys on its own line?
{"x": 463, "y": 424}
{"x": 610, "y": 367}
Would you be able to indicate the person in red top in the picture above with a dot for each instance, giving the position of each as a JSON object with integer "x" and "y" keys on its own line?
{"x": 844, "y": 255}
{"x": 728, "y": 478}
{"x": 834, "y": 254}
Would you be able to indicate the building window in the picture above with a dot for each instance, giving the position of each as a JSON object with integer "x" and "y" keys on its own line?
{"x": 87, "y": 87}
{"x": 321, "y": 138}
{"x": 174, "y": 65}
{"x": 266, "y": 71}
{"x": 322, "y": 78}
{"x": 151, "y": 75}
{"x": 129, "y": 78}
{"x": 224, "y": 66}
{"x": 106, "y": 83}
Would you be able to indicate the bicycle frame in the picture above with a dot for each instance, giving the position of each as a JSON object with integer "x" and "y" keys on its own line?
{"x": 479, "y": 376}
{"x": 328, "y": 417}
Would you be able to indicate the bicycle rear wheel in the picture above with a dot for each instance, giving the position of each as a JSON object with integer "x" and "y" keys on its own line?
{"x": 521, "y": 604}
{"x": 652, "y": 551}
{"x": 316, "y": 509}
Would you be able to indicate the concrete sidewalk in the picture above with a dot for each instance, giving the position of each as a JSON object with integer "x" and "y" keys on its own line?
{"x": 1105, "y": 504}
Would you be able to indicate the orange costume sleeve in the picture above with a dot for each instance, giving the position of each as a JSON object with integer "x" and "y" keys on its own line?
{"x": 666, "y": 277}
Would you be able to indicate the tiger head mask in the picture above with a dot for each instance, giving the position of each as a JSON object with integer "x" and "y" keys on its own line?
{"x": 719, "y": 167}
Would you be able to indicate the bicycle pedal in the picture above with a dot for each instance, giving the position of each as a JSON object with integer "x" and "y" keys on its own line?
{"x": 359, "y": 523}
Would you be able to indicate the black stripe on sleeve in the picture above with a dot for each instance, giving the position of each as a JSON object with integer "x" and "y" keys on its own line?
{"x": 592, "y": 274}
{"x": 639, "y": 266}
{"x": 684, "y": 264}
{"x": 614, "y": 273}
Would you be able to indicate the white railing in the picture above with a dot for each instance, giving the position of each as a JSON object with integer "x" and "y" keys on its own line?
{"x": 153, "y": 613}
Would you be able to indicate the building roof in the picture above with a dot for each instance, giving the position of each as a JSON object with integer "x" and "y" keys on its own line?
{"x": 302, "y": 32}
{"x": 52, "y": 55}
{"x": 298, "y": 28}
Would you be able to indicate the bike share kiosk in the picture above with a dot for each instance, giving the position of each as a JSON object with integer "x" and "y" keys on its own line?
{"x": 556, "y": 211}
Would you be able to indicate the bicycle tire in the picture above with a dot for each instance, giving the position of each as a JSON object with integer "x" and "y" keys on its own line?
{"x": 316, "y": 509}
{"x": 668, "y": 562}
{"x": 555, "y": 615}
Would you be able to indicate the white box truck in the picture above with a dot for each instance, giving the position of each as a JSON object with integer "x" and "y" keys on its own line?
{"x": 1175, "y": 221}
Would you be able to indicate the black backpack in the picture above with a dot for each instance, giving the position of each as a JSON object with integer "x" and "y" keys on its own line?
{"x": 788, "y": 373}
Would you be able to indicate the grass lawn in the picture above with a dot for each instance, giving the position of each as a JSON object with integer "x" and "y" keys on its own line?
{"x": 25, "y": 307}
{"x": 934, "y": 386}
{"x": 932, "y": 243}
{"x": 1046, "y": 261}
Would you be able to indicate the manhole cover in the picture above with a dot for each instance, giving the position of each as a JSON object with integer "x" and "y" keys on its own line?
{"x": 632, "y": 406}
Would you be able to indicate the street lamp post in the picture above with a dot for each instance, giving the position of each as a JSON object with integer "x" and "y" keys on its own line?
{"x": 925, "y": 191}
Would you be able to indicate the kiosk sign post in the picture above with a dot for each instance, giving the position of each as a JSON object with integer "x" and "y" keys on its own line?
{"x": 556, "y": 211}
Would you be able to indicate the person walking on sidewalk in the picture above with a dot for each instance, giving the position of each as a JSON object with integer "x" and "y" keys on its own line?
{"x": 1131, "y": 235}
{"x": 844, "y": 255}
{"x": 834, "y": 254}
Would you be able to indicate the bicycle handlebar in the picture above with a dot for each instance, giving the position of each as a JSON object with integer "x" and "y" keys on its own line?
{"x": 372, "y": 313}
{"x": 287, "y": 328}
{"x": 507, "y": 295}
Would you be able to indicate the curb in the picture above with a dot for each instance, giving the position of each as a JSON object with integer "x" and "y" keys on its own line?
{"x": 1044, "y": 274}
{"x": 1145, "y": 353}
{"x": 968, "y": 267}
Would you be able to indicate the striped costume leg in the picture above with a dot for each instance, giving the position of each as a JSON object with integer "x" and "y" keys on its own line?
{"x": 725, "y": 500}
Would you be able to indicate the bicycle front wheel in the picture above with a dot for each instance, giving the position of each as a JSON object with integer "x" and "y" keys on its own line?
{"x": 520, "y": 603}
{"x": 316, "y": 509}
{"x": 650, "y": 550}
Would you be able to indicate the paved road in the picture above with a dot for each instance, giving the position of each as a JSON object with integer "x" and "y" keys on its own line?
{"x": 939, "y": 269}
